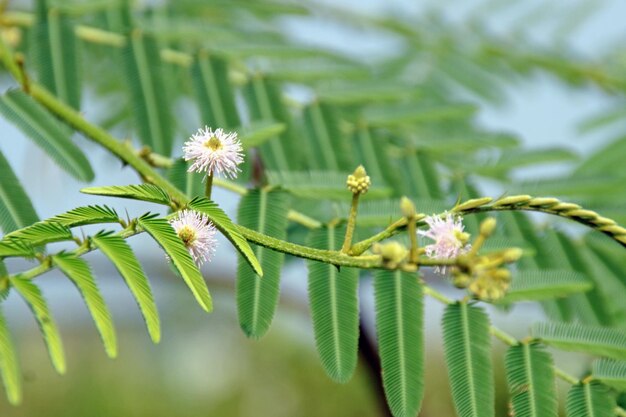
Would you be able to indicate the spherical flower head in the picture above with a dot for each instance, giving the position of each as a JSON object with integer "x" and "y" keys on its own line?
{"x": 214, "y": 152}
{"x": 450, "y": 239}
{"x": 197, "y": 234}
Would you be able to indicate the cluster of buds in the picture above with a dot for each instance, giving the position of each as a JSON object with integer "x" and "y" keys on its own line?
{"x": 485, "y": 276}
{"x": 359, "y": 182}
{"x": 393, "y": 254}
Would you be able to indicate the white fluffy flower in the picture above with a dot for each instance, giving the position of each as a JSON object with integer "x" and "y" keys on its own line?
{"x": 450, "y": 240}
{"x": 197, "y": 233}
{"x": 214, "y": 152}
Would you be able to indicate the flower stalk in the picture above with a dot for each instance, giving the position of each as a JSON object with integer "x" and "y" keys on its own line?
{"x": 358, "y": 183}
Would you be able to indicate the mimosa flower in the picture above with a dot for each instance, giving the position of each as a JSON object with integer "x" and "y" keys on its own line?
{"x": 450, "y": 239}
{"x": 214, "y": 152}
{"x": 197, "y": 233}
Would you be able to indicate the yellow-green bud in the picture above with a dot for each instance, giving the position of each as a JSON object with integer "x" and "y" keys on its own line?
{"x": 543, "y": 201}
{"x": 463, "y": 237}
{"x": 473, "y": 203}
{"x": 393, "y": 253}
{"x": 407, "y": 207}
{"x": 358, "y": 182}
{"x": 566, "y": 206}
{"x": 488, "y": 226}
{"x": 461, "y": 280}
{"x": 512, "y": 200}
{"x": 583, "y": 214}
{"x": 512, "y": 255}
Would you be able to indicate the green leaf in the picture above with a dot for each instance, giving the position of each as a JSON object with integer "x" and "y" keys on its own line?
{"x": 46, "y": 132}
{"x": 228, "y": 229}
{"x": 257, "y": 133}
{"x": 329, "y": 146}
{"x": 530, "y": 375}
{"x": 56, "y": 60}
{"x": 38, "y": 305}
{"x": 145, "y": 82}
{"x": 215, "y": 95}
{"x": 122, "y": 256}
{"x": 329, "y": 185}
{"x": 589, "y": 400}
{"x": 188, "y": 182}
{"x": 145, "y": 192}
{"x": 78, "y": 271}
{"x": 373, "y": 152}
{"x": 166, "y": 237}
{"x": 546, "y": 284}
{"x": 16, "y": 210}
{"x": 265, "y": 102}
{"x": 399, "y": 326}
{"x": 420, "y": 177}
{"x": 333, "y": 297}
{"x": 611, "y": 373}
{"x": 601, "y": 341}
{"x": 81, "y": 216}
{"x": 257, "y": 298}
{"x": 467, "y": 349}
{"x": 368, "y": 91}
{"x": 9, "y": 367}
{"x": 12, "y": 247}
{"x": 415, "y": 112}
{"x": 41, "y": 233}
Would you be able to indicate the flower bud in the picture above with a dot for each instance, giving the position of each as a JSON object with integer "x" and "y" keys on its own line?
{"x": 488, "y": 226}
{"x": 358, "y": 182}
{"x": 407, "y": 207}
{"x": 512, "y": 255}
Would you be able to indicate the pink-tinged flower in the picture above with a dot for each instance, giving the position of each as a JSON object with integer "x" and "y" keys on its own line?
{"x": 214, "y": 152}
{"x": 197, "y": 233}
{"x": 450, "y": 240}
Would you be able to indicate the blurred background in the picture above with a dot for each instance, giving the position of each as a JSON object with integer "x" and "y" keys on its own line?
{"x": 204, "y": 365}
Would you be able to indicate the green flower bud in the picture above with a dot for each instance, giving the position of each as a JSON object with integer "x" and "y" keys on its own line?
{"x": 407, "y": 207}
{"x": 488, "y": 226}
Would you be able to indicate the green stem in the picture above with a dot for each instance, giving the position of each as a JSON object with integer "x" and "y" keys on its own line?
{"x": 347, "y": 242}
{"x": 208, "y": 186}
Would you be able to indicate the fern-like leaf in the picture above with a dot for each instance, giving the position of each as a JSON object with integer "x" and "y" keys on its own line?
{"x": 228, "y": 229}
{"x": 214, "y": 92}
{"x": 122, "y": 256}
{"x": 333, "y": 297}
{"x": 257, "y": 298}
{"x": 78, "y": 271}
{"x": 611, "y": 373}
{"x": 81, "y": 216}
{"x": 265, "y": 102}
{"x": 531, "y": 382}
{"x": 16, "y": 209}
{"x": 467, "y": 349}
{"x": 19, "y": 248}
{"x": 258, "y": 132}
{"x": 56, "y": 61}
{"x": 9, "y": 367}
{"x": 601, "y": 341}
{"x": 399, "y": 326}
{"x": 145, "y": 81}
{"x": 41, "y": 233}
{"x": 40, "y": 126}
{"x": 589, "y": 400}
{"x": 36, "y": 302}
{"x": 328, "y": 185}
{"x": 546, "y": 284}
{"x": 144, "y": 192}
{"x": 166, "y": 237}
